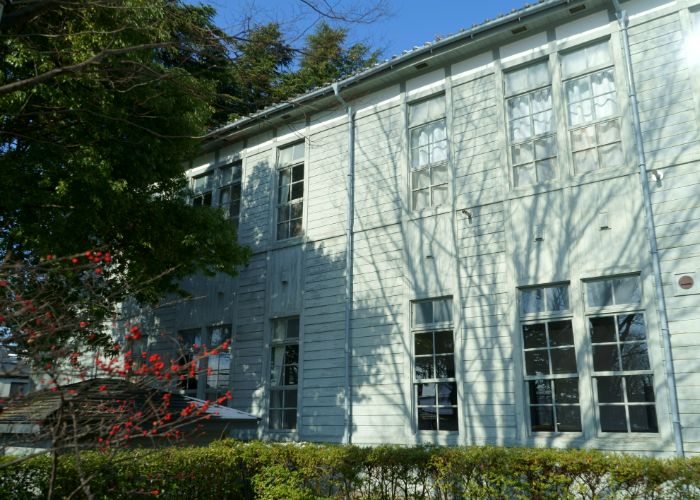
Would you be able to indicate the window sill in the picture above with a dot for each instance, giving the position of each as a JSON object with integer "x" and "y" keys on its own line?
{"x": 288, "y": 242}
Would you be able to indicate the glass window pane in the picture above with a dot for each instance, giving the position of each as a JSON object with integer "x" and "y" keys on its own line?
{"x": 583, "y": 138}
{"x": 276, "y": 398}
{"x": 290, "y": 398}
{"x": 283, "y": 231}
{"x": 290, "y": 375}
{"x": 522, "y": 153}
{"x": 439, "y": 174}
{"x": 561, "y": 333}
{"x": 543, "y": 123}
{"x": 627, "y": 290}
{"x": 297, "y": 190}
{"x": 296, "y": 210}
{"x": 585, "y": 161}
{"x": 538, "y": 74}
{"x": 442, "y": 310}
{"x": 602, "y": 329}
{"x": 541, "y": 100}
{"x": 635, "y": 356}
{"x": 518, "y": 107}
{"x": 557, "y": 298}
{"x": 578, "y": 90}
{"x": 598, "y": 54}
{"x": 640, "y": 388}
{"x": 283, "y": 213}
{"x": 608, "y": 132}
{"x": 568, "y": 418}
{"x": 542, "y": 419}
{"x": 276, "y": 421}
{"x": 537, "y": 362}
{"x": 291, "y": 354}
{"x": 290, "y": 419}
{"x": 443, "y": 343}
{"x": 599, "y": 293}
{"x": 643, "y": 418}
{"x": 444, "y": 366}
{"x": 631, "y": 327}
{"x": 427, "y": 418}
{"x": 603, "y": 82}
{"x": 524, "y": 175}
{"x": 546, "y": 169}
{"x": 563, "y": 360}
{"x": 609, "y": 389}
{"x": 423, "y": 343}
{"x": 440, "y": 195}
{"x": 604, "y": 106}
{"x": 540, "y": 392}
{"x": 278, "y": 330}
{"x": 520, "y": 129}
{"x": 421, "y": 199}
{"x": 566, "y": 390}
{"x": 422, "y": 312}
{"x": 605, "y": 358}
{"x": 426, "y": 394}
{"x": 573, "y": 62}
{"x": 438, "y": 152}
{"x": 531, "y": 300}
{"x": 611, "y": 155}
{"x": 545, "y": 147}
{"x": 613, "y": 419}
{"x": 448, "y": 419}
{"x": 516, "y": 81}
{"x": 424, "y": 367}
{"x": 298, "y": 173}
{"x": 295, "y": 227}
{"x": 534, "y": 336}
{"x": 580, "y": 113}
{"x": 421, "y": 178}
{"x": 447, "y": 393}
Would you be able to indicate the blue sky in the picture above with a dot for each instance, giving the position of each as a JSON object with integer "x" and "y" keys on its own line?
{"x": 410, "y": 23}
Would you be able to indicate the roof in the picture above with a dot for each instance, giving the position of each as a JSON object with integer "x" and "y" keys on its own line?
{"x": 96, "y": 398}
{"x": 516, "y": 16}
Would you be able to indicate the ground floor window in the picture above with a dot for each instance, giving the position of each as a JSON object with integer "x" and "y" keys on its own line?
{"x": 284, "y": 373}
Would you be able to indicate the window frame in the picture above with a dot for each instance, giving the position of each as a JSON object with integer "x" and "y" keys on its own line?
{"x": 284, "y": 388}
{"x": 229, "y": 186}
{"x": 279, "y": 168}
{"x": 434, "y": 328}
{"x": 209, "y": 188}
{"x": 430, "y": 166}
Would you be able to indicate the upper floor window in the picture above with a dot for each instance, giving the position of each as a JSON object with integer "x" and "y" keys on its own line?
{"x": 203, "y": 185}
{"x": 230, "y": 190}
{"x": 428, "y": 155}
{"x": 592, "y": 108}
{"x": 434, "y": 381}
{"x": 290, "y": 191}
{"x": 531, "y": 129}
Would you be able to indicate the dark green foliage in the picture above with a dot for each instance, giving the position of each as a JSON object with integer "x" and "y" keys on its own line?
{"x": 232, "y": 469}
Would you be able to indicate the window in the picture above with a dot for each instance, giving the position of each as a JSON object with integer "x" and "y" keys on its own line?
{"x": 551, "y": 373}
{"x": 290, "y": 186}
{"x": 218, "y": 365}
{"x": 434, "y": 382}
{"x": 531, "y": 129}
{"x": 592, "y": 109}
{"x": 190, "y": 342}
{"x": 284, "y": 372}
{"x": 623, "y": 380}
{"x": 428, "y": 138}
{"x": 212, "y": 377}
{"x": 230, "y": 190}
{"x": 202, "y": 186}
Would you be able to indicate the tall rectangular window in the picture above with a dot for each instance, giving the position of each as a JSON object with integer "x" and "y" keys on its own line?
{"x": 434, "y": 376}
{"x": 623, "y": 380}
{"x": 428, "y": 139}
{"x": 290, "y": 191}
{"x": 284, "y": 373}
{"x": 592, "y": 108}
{"x": 551, "y": 372}
{"x": 531, "y": 129}
{"x": 218, "y": 365}
{"x": 203, "y": 185}
{"x": 230, "y": 190}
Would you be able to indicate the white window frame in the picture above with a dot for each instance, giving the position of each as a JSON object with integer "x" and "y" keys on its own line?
{"x": 230, "y": 186}
{"x": 290, "y": 203}
{"x": 284, "y": 388}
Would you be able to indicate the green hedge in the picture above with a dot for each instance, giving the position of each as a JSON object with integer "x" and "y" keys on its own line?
{"x": 233, "y": 469}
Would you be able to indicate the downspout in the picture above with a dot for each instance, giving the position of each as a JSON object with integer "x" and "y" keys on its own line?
{"x": 623, "y": 21}
{"x": 347, "y": 400}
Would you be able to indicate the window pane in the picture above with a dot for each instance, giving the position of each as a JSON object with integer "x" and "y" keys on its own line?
{"x": 440, "y": 195}
{"x": 542, "y": 419}
{"x": 283, "y": 213}
{"x": 605, "y": 358}
{"x": 583, "y": 138}
{"x": 540, "y": 392}
{"x": 643, "y": 418}
{"x": 447, "y": 393}
{"x": 547, "y": 170}
{"x": 290, "y": 398}
{"x": 296, "y": 210}
{"x": 568, "y": 418}
{"x": 566, "y": 390}
{"x": 421, "y": 178}
{"x": 422, "y": 312}
{"x": 439, "y": 174}
{"x": 605, "y": 106}
{"x": 297, "y": 190}
{"x": 524, "y": 175}
{"x": 292, "y": 328}
{"x": 424, "y": 367}
{"x": 426, "y": 111}
{"x": 543, "y": 123}
{"x": 438, "y": 152}
{"x": 545, "y": 147}
{"x": 557, "y": 298}
{"x": 573, "y": 62}
{"x": 611, "y": 155}
{"x": 443, "y": 343}
{"x": 537, "y": 362}
{"x": 427, "y": 418}
{"x": 522, "y": 153}
{"x": 561, "y": 333}
{"x": 627, "y": 290}
{"x": 276, "y": 398}
{"x": 631, "y": 327}
{"x": 290, "y": 419}
{"x": 448, "y": 419}
{"x": 531, "y": 300}
{"x": 603, "y": 82}
{"x": 599, "y": 293}
{"x": 580, "y": 113}
{"x": 634, "y": 356}
{"x": 298, "y": 173}
{"x": 442, "y": 311}
{"x": 283, "y": 231}
{"x": 613, "y": 419}
{"x": 563, "y": 360}
{"x": 423, "y": 343}
{"x": 521, "y": 129}
{"x": 609, "y": 389}
{"x": 640, "y": 388}
{"x": 444, "y": 366}
{"x": 426, "y": 394}
{"x": 276, "y": 419}
{"x": 578, "y": 90}
{"x": 290, "y": 375}
{"x": 421, "y": 199}
{"x": 602, "y": 329}
{"x": 534, "y": 336}
{"x": 608, "y": 132}
{"x": 291, "y": 354}
{"x": 518, "y": 107}
{"x": 585, "y": 161}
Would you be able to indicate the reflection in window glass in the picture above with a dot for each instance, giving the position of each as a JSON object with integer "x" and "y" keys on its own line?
{"x": 284, "y": 373}
{"x": 614, "y": 291}
{"x": 544, "y": 299}
{"x": 290, "y": 191}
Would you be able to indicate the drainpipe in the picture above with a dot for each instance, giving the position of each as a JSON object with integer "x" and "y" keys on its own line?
{"x": 347, "y": 403}
{"x": 623, "y": 21}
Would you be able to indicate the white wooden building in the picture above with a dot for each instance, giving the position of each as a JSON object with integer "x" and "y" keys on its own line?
{"x": 453, "y": 246}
